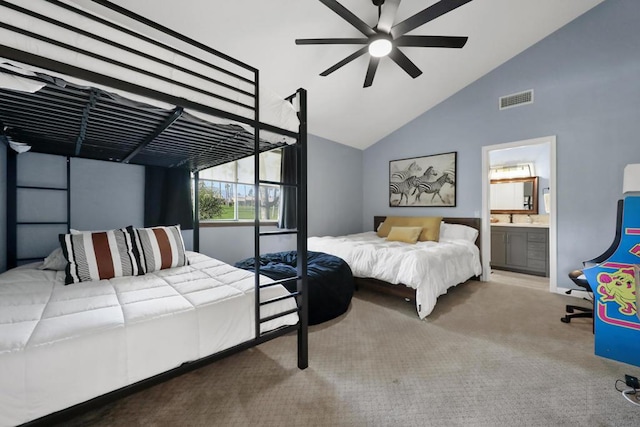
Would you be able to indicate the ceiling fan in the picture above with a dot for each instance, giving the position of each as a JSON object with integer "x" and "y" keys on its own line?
{"x": 385, "y": 39}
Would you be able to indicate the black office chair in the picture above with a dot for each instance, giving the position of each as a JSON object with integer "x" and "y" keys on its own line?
{"x": 579, "y": 279}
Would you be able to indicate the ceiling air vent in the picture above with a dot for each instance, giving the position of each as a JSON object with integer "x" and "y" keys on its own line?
{"x": 516, "y": 99}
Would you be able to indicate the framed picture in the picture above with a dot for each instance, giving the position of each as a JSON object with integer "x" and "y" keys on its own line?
{"x": 423, "y": 181}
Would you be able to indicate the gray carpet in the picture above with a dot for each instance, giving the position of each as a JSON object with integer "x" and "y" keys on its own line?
{"x": 490, "y": 354}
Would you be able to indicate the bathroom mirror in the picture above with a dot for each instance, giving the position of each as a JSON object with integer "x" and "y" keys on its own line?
{"x": 515, "y": 195}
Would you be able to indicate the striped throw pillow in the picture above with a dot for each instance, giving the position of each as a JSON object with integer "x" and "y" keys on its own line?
{"x": 160, "y": 248}
{"x": 100, "y": 255}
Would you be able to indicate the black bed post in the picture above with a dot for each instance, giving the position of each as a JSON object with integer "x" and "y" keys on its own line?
{"x": 68, "y": 194}
{"x": 301, "y": 170}
{"x": 256, "y": 203}
{"x": 196, "y": 212}
{"x": 12, "y": 209}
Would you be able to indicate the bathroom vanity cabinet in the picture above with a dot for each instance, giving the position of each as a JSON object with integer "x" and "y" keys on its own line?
{"x": 520, "y": 249}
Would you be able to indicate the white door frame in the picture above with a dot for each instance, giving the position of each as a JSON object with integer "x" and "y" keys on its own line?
{"x": 486, "y": 212}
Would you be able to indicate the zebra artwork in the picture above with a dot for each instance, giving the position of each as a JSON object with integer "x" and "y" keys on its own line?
{"x": 403, "y": 188}
{"x": 432, "y": 187}
{"x": 411, "y": 178}
{"x": 428, "y": 174}
{"x": 401, "y": 176}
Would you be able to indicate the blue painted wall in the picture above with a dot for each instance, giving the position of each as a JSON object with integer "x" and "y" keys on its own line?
{"x": 104, "y": 196}
{"x": 36, "y": 169}
{"x": 587, "y": 93}
{"x": 335, "y": 188}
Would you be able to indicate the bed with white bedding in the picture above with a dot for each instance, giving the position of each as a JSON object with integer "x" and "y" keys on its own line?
{"x": 430, "y": 268}
{"x": 61, "y": 345}
{"x": 93, "y": 80}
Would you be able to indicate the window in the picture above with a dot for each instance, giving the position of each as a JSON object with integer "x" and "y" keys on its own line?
{"x": 226, "y": 192}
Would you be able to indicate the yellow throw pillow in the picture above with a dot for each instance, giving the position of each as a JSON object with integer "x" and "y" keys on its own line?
{"x": 404, "y": 234}
{"x": 430, "y": 226}
{"x": 430, "y": 229}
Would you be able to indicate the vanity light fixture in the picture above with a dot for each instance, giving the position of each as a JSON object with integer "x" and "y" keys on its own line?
{"x": 522, "y": 170}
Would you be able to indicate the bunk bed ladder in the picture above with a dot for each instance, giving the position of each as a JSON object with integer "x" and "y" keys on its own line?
{"x": 300, "y": 185}
{"x": 13, "y": 214}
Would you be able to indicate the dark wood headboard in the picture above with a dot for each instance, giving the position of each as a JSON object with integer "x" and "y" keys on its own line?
{"x": 471, "y": 222}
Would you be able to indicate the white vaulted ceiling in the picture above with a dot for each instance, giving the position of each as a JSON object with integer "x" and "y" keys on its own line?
{"x": 262, "y": 33}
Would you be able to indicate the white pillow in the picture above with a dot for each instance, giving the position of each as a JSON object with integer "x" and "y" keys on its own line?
{"x": 55, "y": 261}
{"x": 74, "y": 231}
{"x": 458, "y": 231}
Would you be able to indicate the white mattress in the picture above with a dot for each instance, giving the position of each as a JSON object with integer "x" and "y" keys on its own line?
{"x": 429, "y": 267}
{"x": 62, "y": 345}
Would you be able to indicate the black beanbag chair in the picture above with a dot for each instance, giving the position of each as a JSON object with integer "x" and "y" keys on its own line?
{"x": 330, "y": 281}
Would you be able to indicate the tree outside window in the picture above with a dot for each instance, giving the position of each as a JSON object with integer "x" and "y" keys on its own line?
{"x": 226, "y": 192}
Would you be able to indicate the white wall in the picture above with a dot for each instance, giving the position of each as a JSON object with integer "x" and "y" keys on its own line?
{"x": 234, "y": 243}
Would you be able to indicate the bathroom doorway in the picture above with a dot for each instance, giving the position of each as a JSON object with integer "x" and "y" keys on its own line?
{"x": 524, "y": 235}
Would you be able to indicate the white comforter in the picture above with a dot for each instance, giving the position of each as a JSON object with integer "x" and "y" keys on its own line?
{"x": 429, "y": 267}
{"x": 61, "y": 345}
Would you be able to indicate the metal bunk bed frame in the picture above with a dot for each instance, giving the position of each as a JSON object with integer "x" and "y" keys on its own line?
{"x": 196, "y": 163}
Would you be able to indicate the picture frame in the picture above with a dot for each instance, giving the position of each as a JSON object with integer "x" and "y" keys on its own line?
{"x": 428, "y": 181}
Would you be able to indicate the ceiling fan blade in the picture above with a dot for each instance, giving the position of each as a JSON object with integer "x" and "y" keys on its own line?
{"x": 371, "y": 71}
{"x": 349, "y": 17}
{"x": 332, "y": 41}
{"x": 432, "y": 41}
{"x": 389, "y": 10}
{"x": 345, "y": 61}
{"x": 428, "y": 14}
{"x": 404, "y": 63}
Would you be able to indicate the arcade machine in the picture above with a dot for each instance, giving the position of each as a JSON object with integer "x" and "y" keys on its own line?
{"x": 616, "y": 318}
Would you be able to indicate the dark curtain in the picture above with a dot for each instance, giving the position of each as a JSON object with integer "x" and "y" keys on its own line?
{"x": 167, "y": 197}
{"x": 288, "y": 194}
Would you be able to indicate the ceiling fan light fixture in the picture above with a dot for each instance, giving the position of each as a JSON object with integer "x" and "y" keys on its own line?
{"x": 385, "y": 38}
{"x": 380, "y": 47}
